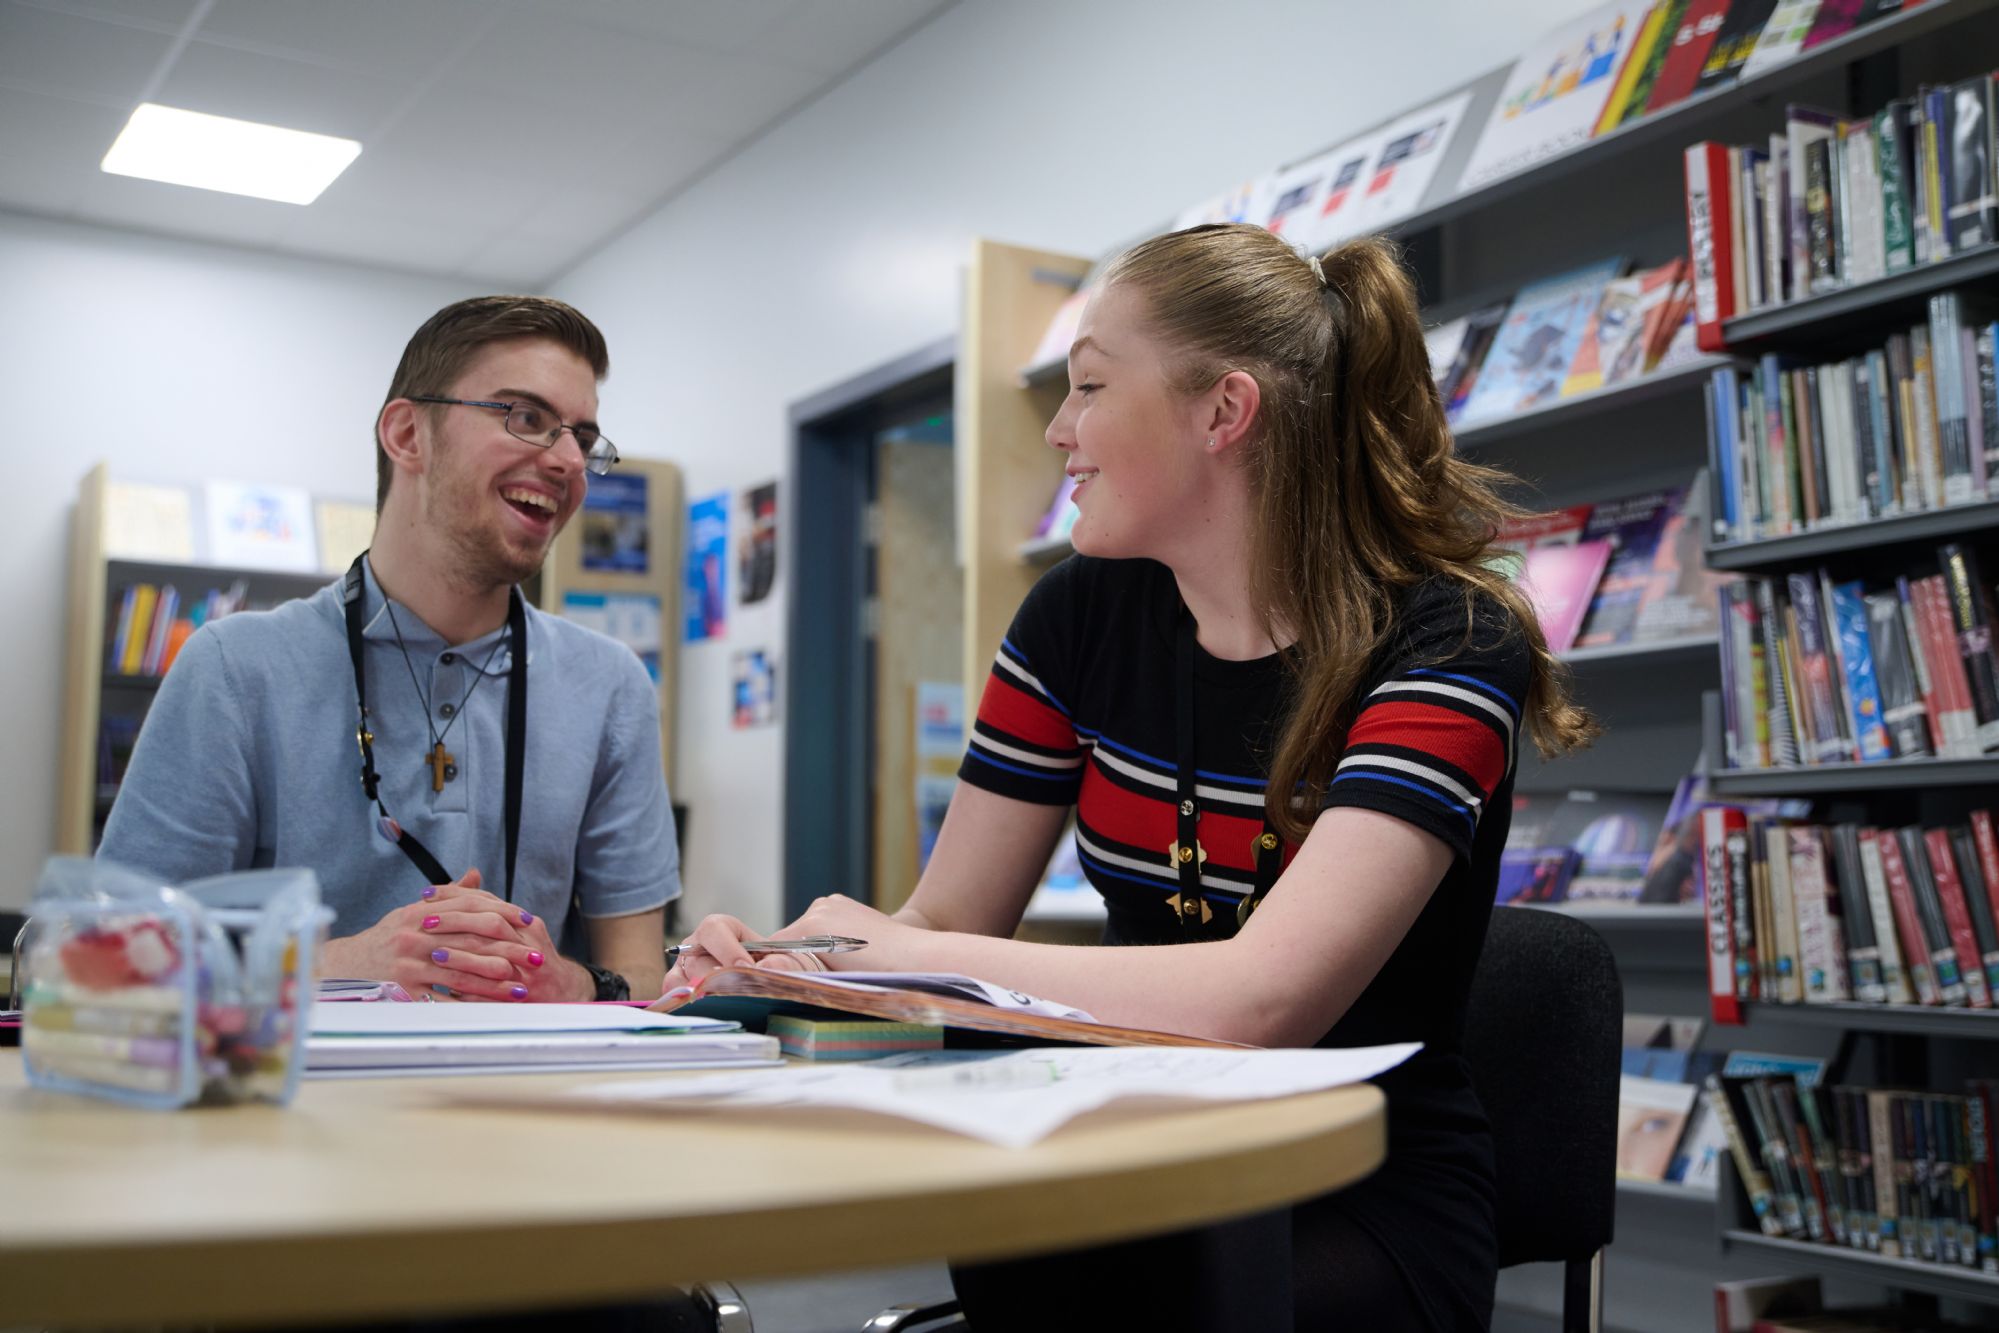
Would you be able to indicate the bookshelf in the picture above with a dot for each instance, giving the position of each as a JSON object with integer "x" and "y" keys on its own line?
{"x": 1621, "y": 195}
{"x": 103, "y": 562}
{"x": 1893, "y": 1019}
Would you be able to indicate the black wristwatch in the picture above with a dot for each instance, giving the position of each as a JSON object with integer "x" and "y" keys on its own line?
{"x": 610, "y": 985}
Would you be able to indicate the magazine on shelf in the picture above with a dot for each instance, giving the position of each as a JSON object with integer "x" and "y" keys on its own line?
{"x": 1555, "y": 93}
{"x": 1559, "y": 582}
{"x": 1061, "y": 330}
{"x": 1535, "y": 346}
{"x": 1634, "y": 527}
{"x": 1332, "y": 214}
{"x": 1700, "y": 23}
{"x": 1412, "y": 147}
{"x": 1651, "y": 1115}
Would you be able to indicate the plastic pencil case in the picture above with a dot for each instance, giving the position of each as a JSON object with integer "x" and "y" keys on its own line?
{"x": 167, "y": 996}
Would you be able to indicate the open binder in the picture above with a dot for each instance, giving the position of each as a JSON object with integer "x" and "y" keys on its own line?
{"x": 750, "y": 994}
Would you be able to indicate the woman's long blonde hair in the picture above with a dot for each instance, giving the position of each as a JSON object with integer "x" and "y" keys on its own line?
{"x": 1357, "y": 490}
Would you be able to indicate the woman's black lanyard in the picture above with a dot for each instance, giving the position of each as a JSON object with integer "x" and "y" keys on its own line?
{"x": 1187, "y": 853}
{"x": 351, "y": 593}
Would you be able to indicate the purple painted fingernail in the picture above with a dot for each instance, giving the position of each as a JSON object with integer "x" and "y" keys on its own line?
{"x": 518, "y": 992}
{"x": 431, "y": 922}
{"x": 439, "y": 955}
{"x": 534, "y": 958}
{"x": 527, "y": 918}
{"x": 429, "y": 892}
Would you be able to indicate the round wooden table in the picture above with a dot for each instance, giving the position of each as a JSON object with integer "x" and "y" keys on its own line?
{"x": 386, "y": 1197}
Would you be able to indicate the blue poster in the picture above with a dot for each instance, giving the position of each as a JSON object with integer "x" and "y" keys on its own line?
{"x": 614, "y": 523}
{"x": 707, "y": 567}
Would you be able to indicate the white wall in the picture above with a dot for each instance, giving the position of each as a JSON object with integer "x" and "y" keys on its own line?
{"x": 171, "y": 361}
{"x": 835, "y": 243}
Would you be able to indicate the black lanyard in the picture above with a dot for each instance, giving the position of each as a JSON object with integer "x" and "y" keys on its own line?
{"x": 1187, "y": 853}
{"x": 351, "y": 593}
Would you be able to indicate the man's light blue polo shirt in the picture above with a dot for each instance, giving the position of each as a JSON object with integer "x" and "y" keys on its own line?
{"x": 248, "y": 759}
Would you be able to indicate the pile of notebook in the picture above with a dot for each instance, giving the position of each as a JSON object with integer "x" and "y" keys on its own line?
{"x": 358, "y": 1040}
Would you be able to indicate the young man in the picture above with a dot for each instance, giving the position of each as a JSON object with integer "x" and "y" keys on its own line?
{"x": 451, "y": 842}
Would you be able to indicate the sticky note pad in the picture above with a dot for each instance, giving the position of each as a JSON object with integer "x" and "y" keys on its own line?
{"x": 850, "y": 1039}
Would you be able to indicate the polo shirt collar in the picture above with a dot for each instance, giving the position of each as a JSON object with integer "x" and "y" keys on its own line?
{"x": 423, "y": 641}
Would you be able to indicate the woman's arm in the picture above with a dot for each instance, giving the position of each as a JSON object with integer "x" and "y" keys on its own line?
{"x": 989, "y": 857}
{"x": 1340, "y": 909}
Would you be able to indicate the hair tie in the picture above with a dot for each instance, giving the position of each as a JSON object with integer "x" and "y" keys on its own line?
{"x": 1318, "y": 270}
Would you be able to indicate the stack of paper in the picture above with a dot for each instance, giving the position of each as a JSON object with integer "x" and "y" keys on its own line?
{"x": 390, "y": 1038}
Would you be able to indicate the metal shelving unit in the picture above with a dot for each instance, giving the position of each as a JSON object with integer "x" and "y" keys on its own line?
{"x": 1776, "y": 553}
{"x": 1826, "y": 779}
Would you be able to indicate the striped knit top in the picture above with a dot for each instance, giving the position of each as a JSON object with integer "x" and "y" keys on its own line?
{"x": 1079, "y": 710}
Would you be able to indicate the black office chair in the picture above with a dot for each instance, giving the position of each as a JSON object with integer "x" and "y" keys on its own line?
{"x": 1544, "y": 1033}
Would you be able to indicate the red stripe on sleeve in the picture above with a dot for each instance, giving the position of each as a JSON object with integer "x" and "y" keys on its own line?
{"x": 1012, "y": 711}
{"x": 1460, "y": 741}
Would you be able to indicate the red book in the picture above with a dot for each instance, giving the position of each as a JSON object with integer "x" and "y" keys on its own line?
{"x": 1957, "y": 916}
{"x": 1724, "y": 875}
{"x": 1686, "y": 53}
{"x": 1988, "y": 855}
{"x": 1940, "y": 648}
{"x": 1710, "y": 240}
{"x": 1908, "y": 926}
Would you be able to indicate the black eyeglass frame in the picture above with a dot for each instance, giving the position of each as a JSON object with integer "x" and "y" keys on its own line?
{"x": 596, "y": 463}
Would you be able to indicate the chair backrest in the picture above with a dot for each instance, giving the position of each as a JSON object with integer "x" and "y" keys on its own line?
{"x": 1544, "y": 1034}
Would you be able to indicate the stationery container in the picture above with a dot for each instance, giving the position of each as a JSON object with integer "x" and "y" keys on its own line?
{"x": 166, "y": 996}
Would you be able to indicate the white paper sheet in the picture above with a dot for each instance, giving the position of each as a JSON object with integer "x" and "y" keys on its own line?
{"x": 1014, "y": 1098}
{"x": 958, "y": 987}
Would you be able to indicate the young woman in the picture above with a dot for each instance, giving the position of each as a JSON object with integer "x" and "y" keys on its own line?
{"x": 1286, "y": 695}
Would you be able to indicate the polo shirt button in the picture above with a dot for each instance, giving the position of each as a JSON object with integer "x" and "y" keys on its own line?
{"x": 450, "y": 772}
{"x": 447, "y": 709}
{"x": 448, "y": 658}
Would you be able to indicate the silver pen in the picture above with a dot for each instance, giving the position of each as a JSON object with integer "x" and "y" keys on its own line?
{"x": 802, "y": 944}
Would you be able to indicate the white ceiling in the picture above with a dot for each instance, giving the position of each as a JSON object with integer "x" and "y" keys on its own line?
{"x": 502, "y": 140}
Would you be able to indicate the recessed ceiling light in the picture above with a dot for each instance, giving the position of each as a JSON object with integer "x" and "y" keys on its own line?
{"x": 163, "y": 143}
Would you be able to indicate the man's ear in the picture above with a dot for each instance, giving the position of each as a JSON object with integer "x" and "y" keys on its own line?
{"x": 1231, "y": 409}
{"x": 401, "y": 433}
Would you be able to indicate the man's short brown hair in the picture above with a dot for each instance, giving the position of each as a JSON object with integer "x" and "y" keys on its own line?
{"x": 439, "y": 351}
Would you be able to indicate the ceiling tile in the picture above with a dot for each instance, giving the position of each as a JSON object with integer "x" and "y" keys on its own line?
{"x": 555, "y": 63}
{"x": 386, "y": 38}
{"x": 519, "y": 262}
{"x": 727, "y": 97}
{"x": 729, "y": 28}
{"x": 386, "y": 238}
{"x": 162, "y": 16}
{"x": 273, "y": 91}
{"x": 124, "y": 201}
{"x": 51, "y": 148}
{"x": 83, "y": 59}
{"x": 836, "y": 38}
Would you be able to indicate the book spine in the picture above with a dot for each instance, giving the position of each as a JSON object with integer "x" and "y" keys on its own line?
{"x": 1956, "y": 916}
{"x": 1761, "y": 913}
{"x": 1904, "y": 919}
{"x": 1864, "y": 708}
{"x": 1898, "y": 238}
{"x": 1721, "y": 863}
{"x": 1748, "y": 1165}
{"x": 1971, "y": 618}
{"x": 1984, "y": 840}
{"x": 1821, "y": 951}
{"x": 1708, "y": 241}
{"x": 1945, "y": 965}
{"x": 1781, "y": 1103}
{"x": 1814, "y": 669}
{"x": 1781, "y": 727}
{"x": 1978, "y": 902}
{"x": 1987, "y": 343}
{"x": 1959, "y": 717}
{"x": 1856, "y": 862}
{"x": 1820, "y": 225}
{"x": 1880, "y": 1133}
{"x": 1981, "y": 1107}
{"x": 1902, "y": 715}
{"x": 1776, "y": 253}
{"x": 1786, "y": 972}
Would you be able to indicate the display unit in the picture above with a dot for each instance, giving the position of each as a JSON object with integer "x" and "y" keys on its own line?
{"x": 104, "y": 707}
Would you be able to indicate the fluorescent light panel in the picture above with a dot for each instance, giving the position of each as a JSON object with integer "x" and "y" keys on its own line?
{"x": 163, "y": 143}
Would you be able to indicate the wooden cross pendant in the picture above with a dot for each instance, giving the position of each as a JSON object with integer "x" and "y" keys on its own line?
{"x": 439, "y": 757}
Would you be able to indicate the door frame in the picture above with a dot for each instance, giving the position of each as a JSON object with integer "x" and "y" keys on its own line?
{"x": 828, "y": 709}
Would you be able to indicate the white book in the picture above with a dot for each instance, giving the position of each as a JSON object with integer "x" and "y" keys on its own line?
{"x": 1784, "y": 917}
{"x": 1783, "y": 36}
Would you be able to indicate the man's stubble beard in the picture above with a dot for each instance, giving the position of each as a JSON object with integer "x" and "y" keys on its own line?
{"x": 479, "y": 556}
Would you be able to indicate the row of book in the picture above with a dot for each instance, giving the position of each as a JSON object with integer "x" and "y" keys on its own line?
{"x": 1604, "y": 847}
{"x": 1817, "y": 672}
{"x": 1606, "y": 69}
{"x": 1813, "y": 914}
{"x": 152, "y": 624}
{"x": 1562, "y": 336}
{"x": 1664, "y": 1133}
{"x": 1901, "y": 1174}
{"x": 1833, "y": 202}
{"x": 1908, "y": 427}
{"x": 1621, "y": 571}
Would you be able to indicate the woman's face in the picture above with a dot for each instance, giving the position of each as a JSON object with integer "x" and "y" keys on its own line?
{"x": 1133, "y": 443}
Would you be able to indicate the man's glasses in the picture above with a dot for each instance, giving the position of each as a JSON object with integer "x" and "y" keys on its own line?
{"x": 539, "y": 426}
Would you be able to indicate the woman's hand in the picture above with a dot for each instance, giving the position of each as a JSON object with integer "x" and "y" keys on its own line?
{"x": 718, "y": 943}
{"x": 487, "y": 930}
